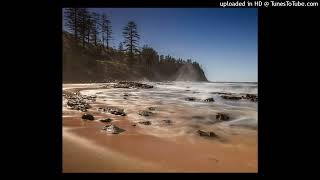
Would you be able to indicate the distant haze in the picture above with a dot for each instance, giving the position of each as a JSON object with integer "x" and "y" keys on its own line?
{"x": 222, "y": 40}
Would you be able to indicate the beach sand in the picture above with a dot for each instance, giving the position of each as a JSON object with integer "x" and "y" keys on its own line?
{"x": 87, "y": 149}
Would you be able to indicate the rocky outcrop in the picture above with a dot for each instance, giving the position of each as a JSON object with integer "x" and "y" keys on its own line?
{"x": 131, "y": 84}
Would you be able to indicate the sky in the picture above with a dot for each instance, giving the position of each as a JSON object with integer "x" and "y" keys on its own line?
{"x": 223, "y": 40}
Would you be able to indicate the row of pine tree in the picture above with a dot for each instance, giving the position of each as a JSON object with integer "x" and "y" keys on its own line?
{"x": 96, "y": 29}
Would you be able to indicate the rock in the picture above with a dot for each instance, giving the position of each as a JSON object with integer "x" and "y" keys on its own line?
{"x": 128, "y": 84}
{"x": 145, "y": 122}
{"x": 152, "y": 108}
{"x": 251, "y": 97}
{"x": 222, "y": 117}
{"x": 88, "y": 117}
{"x": 190, "y": 99}
{"x": 209, "y": 100}
{"x": 107, "y": 120}
{"x": 112, "y": 129}
{"x": 115, "y": 111}
{"x": 231, "y": 97}
{"x": 222, "y": 93}
{"x": 134, "y": 125}
{"x": 145, "y": 113}
{"x": 168, "y": 121}
{"x": 126, "y": 95}
{"x": 207, "y": 133}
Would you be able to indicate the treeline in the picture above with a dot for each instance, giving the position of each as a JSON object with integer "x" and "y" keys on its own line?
{"x": 91, "y": 29}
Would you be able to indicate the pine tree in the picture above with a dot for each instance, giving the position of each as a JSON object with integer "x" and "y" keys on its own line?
{"x": 131, "y": 38}
{"x": 71, "y": 20}
{"x": 106, "y": 30}
{"x": 94, "y": 26}
{"x": 84, "y": 24}
{"x": 120, "y": 48}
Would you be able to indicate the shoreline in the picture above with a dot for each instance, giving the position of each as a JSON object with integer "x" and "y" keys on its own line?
{"x": 87, "y": 149}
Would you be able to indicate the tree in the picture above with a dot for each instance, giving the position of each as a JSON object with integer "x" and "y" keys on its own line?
{"x": 106, "y": 30}
{"x": 84, "y": 24}
{"x": 131, "y": 38}
{"x": 71, "y": 18}
{"x": 120, "y": 47}
{"x": 94, "y": 27}
{"x": 149, "y": 55}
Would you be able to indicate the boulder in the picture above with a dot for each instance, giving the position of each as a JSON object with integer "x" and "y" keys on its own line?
{"x": 209, "y": 100}
{"x": 207, "y": 133}
{"x": 222, "y": 117}
{"x": 231, "y": 97}
{"x": 168, "y": 121}
{"x": 190, "y": 99}
{"x": 145, "y": 113}
{"x": 112, "y": 129}
{"x": 106, "y": 120}
{"x": 88, "y": 117}
{"x": 152, "y": 108}
{"x": 145, "y": 122}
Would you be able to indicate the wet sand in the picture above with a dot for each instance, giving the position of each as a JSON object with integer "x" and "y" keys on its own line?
{"x": 87, "y": 149}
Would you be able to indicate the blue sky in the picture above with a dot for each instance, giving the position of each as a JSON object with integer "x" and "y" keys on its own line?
{"x": 223, "y": 40}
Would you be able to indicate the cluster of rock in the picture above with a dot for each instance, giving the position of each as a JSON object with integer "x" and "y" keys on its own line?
{"x": 130, "y": 84}
{"x": 230, "y": 96}
{"x": 113, "y": 110}
{"x": 251, "y": 97}
{"x": 195, "y": 99}
{"x": 79, "y": 102}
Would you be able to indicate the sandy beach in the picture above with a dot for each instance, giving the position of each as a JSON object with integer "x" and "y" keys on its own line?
{"x": 153, "y": 148}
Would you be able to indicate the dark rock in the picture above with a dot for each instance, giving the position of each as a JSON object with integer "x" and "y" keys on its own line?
{"x": 107, "y": 120}
{"x": 145, "y": 113}
{"x": 88, "y": 117}
{"x": 209, "y": 100}
{"x": 152, "y": 108}
{"x": 118, "y": 113}
{"x": 222, "y": 117}
{"x": 145, "y": 122}
{"x": 207, "y": 133}
{"x": 221, "y": 93}
{"x": 190, "y": 99}
{"x": 113, "y": 129}
{"x": 134, "y": 125}
{"x": 126, "y": 95}
{"x": 115, "y": 111}
{"x": 168, "y": 121}
{"x": 125, "y": 84}
{"x": 231, "y": 97}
